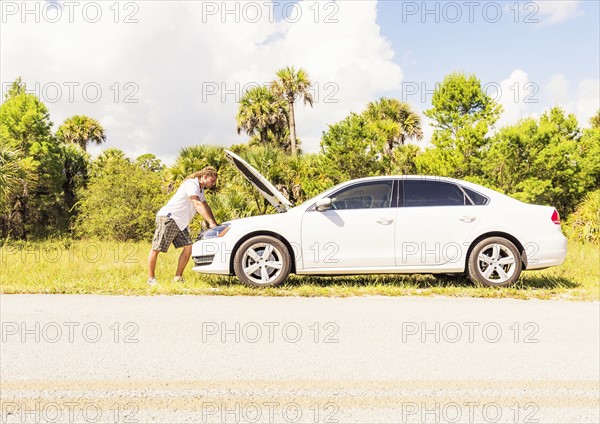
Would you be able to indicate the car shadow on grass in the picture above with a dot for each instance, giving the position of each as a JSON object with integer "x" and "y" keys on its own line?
{"x": 416, "y": 281}
{"x": 389, "y": 280}
{"x": 428, "y": 281}
{"x": 408, "y": 281}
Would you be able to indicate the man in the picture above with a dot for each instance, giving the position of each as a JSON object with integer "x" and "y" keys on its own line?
{"x": 173, "y": 219}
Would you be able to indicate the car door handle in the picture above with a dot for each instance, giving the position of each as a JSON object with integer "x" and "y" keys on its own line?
{"x": 385, "y": 221}
{"x": 467, "y": 219}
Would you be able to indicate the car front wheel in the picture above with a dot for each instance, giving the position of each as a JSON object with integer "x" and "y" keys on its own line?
{"x": 494, "y": 262}
{"x": 262, "y": 261}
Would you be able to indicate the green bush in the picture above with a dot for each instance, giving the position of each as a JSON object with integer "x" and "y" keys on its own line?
{"x": 121, "y": 199}
{"x": 584, "y": 223}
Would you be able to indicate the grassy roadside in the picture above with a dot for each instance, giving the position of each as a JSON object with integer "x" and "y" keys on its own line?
{"x": 93, "y": 267}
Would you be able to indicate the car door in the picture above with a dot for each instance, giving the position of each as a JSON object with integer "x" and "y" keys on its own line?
{"x": 356, "y": 232}
{"x": 435, "y": 219}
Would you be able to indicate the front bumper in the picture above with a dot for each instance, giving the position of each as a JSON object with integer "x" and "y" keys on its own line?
{"x": 212, "y": 256}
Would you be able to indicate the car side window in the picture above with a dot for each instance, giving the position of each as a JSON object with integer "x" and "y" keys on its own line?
{"x": 433, "y": 193}
{"x": 476, "y": 198}
{"x": 376, "y": 194}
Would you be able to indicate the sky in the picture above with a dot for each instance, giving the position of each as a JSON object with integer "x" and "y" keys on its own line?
{"x": 162, "y": 75}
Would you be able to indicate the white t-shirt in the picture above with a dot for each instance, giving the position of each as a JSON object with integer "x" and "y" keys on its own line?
{"x": 180, "y": 207}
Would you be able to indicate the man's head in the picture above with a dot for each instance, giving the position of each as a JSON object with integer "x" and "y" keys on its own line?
{"x": 207, "y": 177}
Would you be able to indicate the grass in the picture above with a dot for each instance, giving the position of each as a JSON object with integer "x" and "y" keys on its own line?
{"x": 93, "y": 267}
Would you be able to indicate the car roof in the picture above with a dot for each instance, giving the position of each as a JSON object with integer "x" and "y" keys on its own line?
{"x": 422, "y": 177}
{"x": 417, "y": 177}
{"x": 482, "y": 189}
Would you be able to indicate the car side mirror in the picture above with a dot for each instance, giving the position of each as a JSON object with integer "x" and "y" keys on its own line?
{"x": 323, "y": 204}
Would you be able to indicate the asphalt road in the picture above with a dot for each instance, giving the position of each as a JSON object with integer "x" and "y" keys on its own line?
{"x": 75, "y": 359}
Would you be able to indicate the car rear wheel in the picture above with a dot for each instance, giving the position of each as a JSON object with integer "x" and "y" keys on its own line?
{"x": 494, "y": 262}
{"x": 262, "y": 261}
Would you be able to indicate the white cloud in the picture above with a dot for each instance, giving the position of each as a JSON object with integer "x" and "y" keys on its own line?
{"x": 583, "y": 102}
{"x": 556, "y": 11}
{"x": 558, "y": 89}
{"x": 588, "y": 101}
{"x": 186, "y": 64}
{"x": 522, "y": 98}
{"x": 517, "y": 95}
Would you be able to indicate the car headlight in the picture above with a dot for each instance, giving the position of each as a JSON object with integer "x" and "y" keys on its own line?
{"x": 218, "y": 231}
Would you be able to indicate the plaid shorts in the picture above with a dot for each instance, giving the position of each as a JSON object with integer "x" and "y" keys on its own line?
{"x": 168, "y": 232}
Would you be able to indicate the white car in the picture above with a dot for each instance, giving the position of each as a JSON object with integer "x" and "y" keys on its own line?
{"x": 381, "y": 225}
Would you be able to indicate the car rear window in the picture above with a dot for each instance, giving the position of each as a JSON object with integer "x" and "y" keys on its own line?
{"x": 476, "y": 198}
{"x": 433, "y": 193}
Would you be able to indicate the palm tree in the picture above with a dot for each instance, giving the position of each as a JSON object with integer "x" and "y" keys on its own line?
{"x": 396, "y": 119}
{"x": 81, "y": 130}
{"x": 11, "y": 174}
{"x": 261, "y": 112}
{"x": 293, "y": 85}
{"x": 75, "y": 171}
{"x": 15, "y": 183}
{"x": 194, "y": 158}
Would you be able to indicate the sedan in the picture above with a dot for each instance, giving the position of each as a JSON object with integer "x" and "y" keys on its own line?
{"x": 382, "y": 225}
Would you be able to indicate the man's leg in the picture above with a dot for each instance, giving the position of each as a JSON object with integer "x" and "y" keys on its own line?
{"x": 152, "y": 257}
{"x": 184, "y": 258}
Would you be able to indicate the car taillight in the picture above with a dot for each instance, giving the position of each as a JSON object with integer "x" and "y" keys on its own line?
{"x": 555, "y": 217}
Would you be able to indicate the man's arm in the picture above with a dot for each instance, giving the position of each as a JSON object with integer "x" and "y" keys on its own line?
{"x": 204, "y": 210}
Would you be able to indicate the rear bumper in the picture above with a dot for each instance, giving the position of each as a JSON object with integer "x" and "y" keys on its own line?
{"x": 546, "y": 253}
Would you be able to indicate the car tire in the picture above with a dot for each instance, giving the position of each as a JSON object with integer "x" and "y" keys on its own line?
{"x": 254, "y": 269}
{"x": 494, "y": 262}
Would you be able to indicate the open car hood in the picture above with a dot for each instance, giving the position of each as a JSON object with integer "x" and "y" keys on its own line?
{"x": 263, "y": 185}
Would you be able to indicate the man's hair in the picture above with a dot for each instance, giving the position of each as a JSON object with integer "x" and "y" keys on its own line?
{"x": 208, "y": 171}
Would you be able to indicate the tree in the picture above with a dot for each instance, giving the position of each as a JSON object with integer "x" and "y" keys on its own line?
{"x": 263, "y": 114}
{"x": 194, "y": 158}
{"x": 588, "y": 150}
{"x": 75, "y": 171}
{"x": 292, "y": 85}
{"x": 459, "y": 101}
{"x": 404, "y": 160}
{"x": 595, "y": 120}
{"x": 352, "y": 148}
{"x": 24, "y": 119}
{"x": 367, "y": 143}
{"x": 462, "y": 115}
{"x": 545, "y": 161}
{"x": 81, "y": 130}
{"x": 11, "y": 174}
{"x": 150, "y": 162}
{"x": 33, "y": 206}
{"x": 396, "y": 120}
